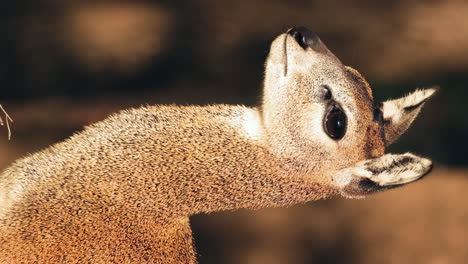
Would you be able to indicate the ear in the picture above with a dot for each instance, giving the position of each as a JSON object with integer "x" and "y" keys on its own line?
{"x": 382, "y": 173}
{"x": 398, "y": 114}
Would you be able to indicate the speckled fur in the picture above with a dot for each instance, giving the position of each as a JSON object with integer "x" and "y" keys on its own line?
{"x": 122, "y": 190}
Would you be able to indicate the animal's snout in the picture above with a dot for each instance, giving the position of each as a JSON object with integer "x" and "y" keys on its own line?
{"x": 306, "y": 38}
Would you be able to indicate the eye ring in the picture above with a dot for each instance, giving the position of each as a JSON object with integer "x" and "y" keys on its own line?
{"x": 335, "y": 122}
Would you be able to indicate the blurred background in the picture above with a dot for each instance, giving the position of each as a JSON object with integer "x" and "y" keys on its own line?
{"x": 65, "y": 64}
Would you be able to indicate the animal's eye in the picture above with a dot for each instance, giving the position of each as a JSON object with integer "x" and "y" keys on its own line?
{"x": 335, "y": 122}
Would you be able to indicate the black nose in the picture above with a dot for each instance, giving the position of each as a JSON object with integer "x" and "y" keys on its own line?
{"x": 306, "y": 38}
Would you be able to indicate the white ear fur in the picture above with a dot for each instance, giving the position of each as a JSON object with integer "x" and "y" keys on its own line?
{"x": 393, "y": 169}
{"x": 398, "y": 114}
{"x": 377, "y": 174}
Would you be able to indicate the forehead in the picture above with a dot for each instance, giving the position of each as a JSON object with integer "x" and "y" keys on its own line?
{"x": 349, "y": 86}
{"x": 363, "y": 86}
{"x": 353, "y": 91}
{"x": 371, "y": 114}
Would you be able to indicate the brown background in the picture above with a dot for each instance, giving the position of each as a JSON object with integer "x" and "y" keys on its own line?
{"x": 65, "y": 64}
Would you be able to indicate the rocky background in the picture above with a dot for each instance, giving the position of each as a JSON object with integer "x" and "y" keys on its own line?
{"x": 65, "y": 64}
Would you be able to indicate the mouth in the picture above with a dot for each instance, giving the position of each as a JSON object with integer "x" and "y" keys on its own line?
{"x": 285, "y": 53}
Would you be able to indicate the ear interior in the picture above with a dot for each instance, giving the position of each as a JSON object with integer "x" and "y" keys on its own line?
{"x": 398, "y": 114}
{"x": 385, "y": 172}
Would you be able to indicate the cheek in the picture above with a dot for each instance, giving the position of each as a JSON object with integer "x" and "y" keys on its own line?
{"x": 374, "y": 146}
{"x": 310, "y": 123}
{"x": 366, "y": 143}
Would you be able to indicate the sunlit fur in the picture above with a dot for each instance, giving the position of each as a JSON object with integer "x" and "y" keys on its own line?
{"x": 122, "y": 190}
{"x": 294, "y": 111}
{"x": 400, "y": 113}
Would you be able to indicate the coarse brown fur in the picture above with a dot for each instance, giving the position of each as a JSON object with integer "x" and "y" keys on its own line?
{"x": 128, "y": 202}
{"x": 122, "y": 190}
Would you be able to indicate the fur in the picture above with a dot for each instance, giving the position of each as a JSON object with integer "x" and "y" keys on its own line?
{"x": 400, "y": 113}
{"x": 122, "y": 190}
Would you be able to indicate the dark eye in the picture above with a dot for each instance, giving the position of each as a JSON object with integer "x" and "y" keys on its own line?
{"x": 335, "y": 122}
